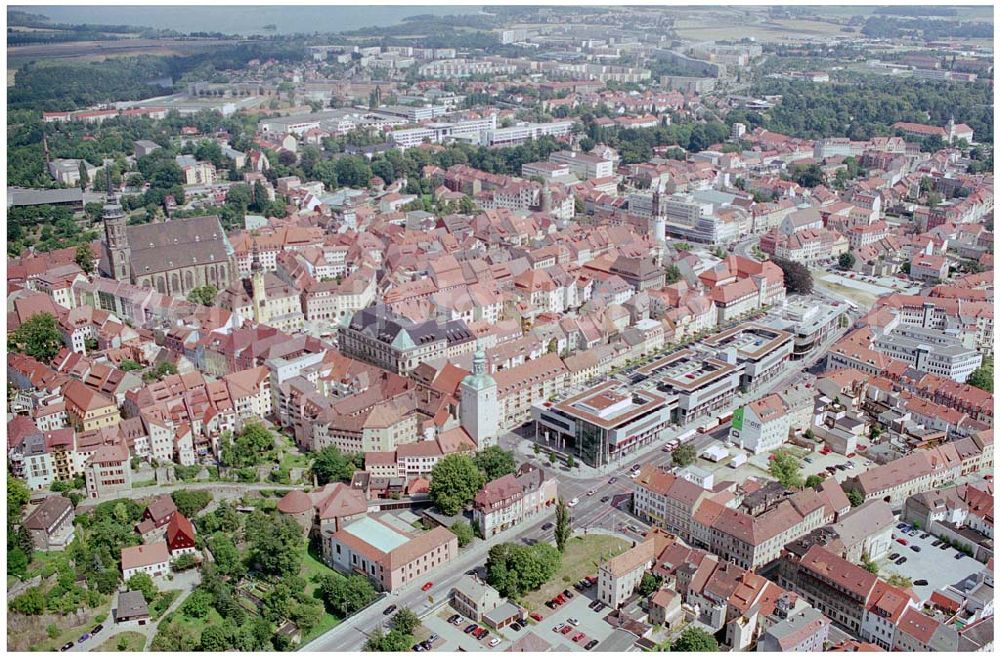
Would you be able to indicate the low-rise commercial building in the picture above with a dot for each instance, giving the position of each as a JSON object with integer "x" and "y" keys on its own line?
{"x": 604, "y": 424}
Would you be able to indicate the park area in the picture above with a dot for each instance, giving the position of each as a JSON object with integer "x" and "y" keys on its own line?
{"x": 582, "y": 557}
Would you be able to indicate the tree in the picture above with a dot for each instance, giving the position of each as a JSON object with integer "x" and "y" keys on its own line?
{"x": 813, "y": 481}
{"x": 331, "y": 465}
{"x": 846, "y": 260}
{"x": 239, "y": 195}
{"x": 982, "y": 377}
{"x": 684, "y": 455}
{"x": 254, "y": 445}
{"x": 455, "y": 480}
{"x": 463, "y": 531}
{"x": 695, "y": 639}
{"x": 191, "y": 501}
{"x": 785, "y": 467}
{"x": 346, "y": 595}
{"x": 18, "y": 496}
{"x": 214, "y": 638}
{"x": 855, "y": 497}
{"x": 495, "y": 462}
{"x": 798, "y": 278}
{"x": 143, "y": 582}
{"x": 899, "y": 580}
{"x": 275, "y": 544}
{"x": 673, "y": 274}
{"x": 406, "y": 621}
{"x": 649, "y": 584}
{"x": 204, "y": 295}
{"x": 32, "y": 602}
{"x": 393, "y": 641}
{"x": 869, "y": 564}
{"x": 227, "y": 556}
{"x": 514, "y": 569}
{"x": 84, "y": 175}
{"x": 84, "y": 258}
{"x": 563, "y": 528}
{"x": 199, "y": 603}
{"x": 39, "y": 337}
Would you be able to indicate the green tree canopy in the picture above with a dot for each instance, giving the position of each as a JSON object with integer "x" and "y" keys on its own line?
{"x": 563, "y": 529}
{"x": 514, "y": 569}
{"x": 38, "y": 337}
{"x": 143, "y": 582}
{"x": 495, "y": 462}
{"x": 455, "y": 479}
{"x": 695, "y": 639}
{"x": 346, "y": 595}
{"x": 855, "y": 497}
{"x": 463, "y": 531}
{"x": 684, "y": 455}
{"x": 331, "y": 465}
{"x": 785, "y": 467}
{"x": 275, "y": 544}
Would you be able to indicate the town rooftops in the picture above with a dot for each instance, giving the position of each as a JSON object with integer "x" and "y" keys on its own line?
{"x": 144, "y": 555}
{"x": 607, "y": 407}
{"x": 52, "y": 509}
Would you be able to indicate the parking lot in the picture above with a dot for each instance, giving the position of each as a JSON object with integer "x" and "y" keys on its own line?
{"x": 936, "y": 565}
{"x": 591, "y": 624}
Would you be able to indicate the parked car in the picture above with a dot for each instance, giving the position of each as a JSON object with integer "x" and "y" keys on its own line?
{"x": 920, "y": 583}
{"x": 568, "y": 594}
{"x": 551, "y": 605}
{"x": 894, "y": 556}
{"x": 924, "y": 535}
{"x": 83, "y": 638}
{"x": 590, "y": 645}
{"x": 573, "y": 503}
{"x": 902, "y": 541}
{"x": 574, "y": 621}
{"x": 548, "y": 526}
{"x": 388, "y": 611}
{"x": 566, "y": 629}
{"x": 557, "y": 628}
{"x": 612, "y": 480}
{"x": 471, "y": 628}
{"x": 495, "y": 641}
{"x": 808, "y": 460}
{"x": 432, "y": 638}
{"x": 915, "y": 548}
{"x": 592, "y": 492}
{"x": 418, "y": 647}
{"x": 482, "y": 633}
{"x": 66, "y": 647}
{"x": 901, "y": 560}
{"x": 959, "y": 555}
{"x": 578, "y": 637}
{"x": 515, "y": 626}
{"x": 936, "y": 543}
{"x": 97, "y": 629}
{"x": 536, "y": 616}
{"x": 605, "y": 499}
{"x": 427, "y": 586}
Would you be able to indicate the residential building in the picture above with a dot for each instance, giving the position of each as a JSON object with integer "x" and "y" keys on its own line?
{"x": 512, "y": 499}
{"x": 51, "y": 523}
{"x": 473, "y": 598}
{"x": 152, "y": 559}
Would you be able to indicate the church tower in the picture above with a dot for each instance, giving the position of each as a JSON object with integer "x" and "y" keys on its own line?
{"x": 116, "y": 235}
{"x": 479, "y": 411}
{"x": 257, "y": 284}
{"x": 658, "y": 228}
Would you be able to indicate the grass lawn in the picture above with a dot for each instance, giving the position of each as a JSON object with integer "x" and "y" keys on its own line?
{"x": 582, "y": 557}
{"x": 133, "y": 642}
{"x": 312, "y": 566}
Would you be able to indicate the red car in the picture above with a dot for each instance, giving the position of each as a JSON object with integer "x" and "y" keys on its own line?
{"x": 902, "y": 541}
{"x": 536, "y": 616}
{"x": 566, "y": 629}
{"x": 578, "y": 637}
{"x": 427, "y": 586}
